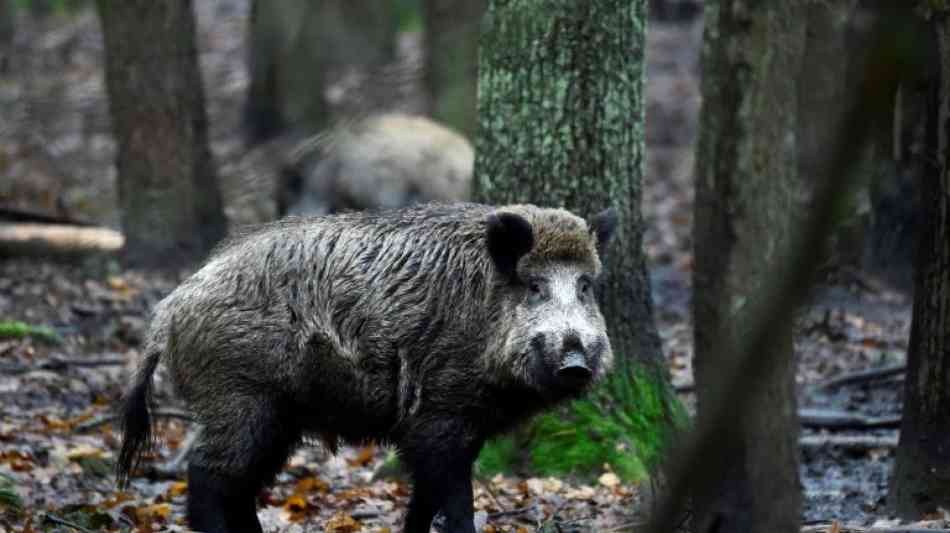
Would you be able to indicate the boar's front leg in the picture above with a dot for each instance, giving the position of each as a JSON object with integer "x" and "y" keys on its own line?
{"x": 441, "y": 465}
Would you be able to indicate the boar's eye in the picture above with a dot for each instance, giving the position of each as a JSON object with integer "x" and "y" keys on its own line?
{"x": 536, "y": 292}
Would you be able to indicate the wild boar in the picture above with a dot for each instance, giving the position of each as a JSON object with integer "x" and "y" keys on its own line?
{"x": 431, "y": 328}
{"x": 383, "y": 161}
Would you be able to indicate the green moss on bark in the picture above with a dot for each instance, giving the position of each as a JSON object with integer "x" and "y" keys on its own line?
{"x": 560, "y": 95}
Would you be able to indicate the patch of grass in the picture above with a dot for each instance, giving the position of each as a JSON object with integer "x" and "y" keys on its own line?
{"x": 15, "y": 329}
{"x": 500, "y": 455}
{"x": 9, "y": 499}
{"x": 627, "y": 423}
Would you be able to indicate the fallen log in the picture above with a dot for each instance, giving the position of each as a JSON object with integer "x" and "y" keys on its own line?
{"x": 847, "y": 442}
{"x": 56, "y": 239}
{"x": 863, "y": 376}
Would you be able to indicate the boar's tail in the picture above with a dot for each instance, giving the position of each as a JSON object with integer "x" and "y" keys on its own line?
{"x": 135, "y": 419}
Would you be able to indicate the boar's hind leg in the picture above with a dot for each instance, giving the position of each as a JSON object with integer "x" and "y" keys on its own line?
{"x": 241, "y": 450}
{"x": 442, "y": 480}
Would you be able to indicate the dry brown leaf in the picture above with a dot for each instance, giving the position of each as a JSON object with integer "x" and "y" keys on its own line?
{"x": 311, "y": 484}
{"x": 18, "y": 461}
{"x": 116, "y": 499}
{"x": 297, "y": 508}
{"x": 364, "y": 456}
{"x": 177, "y": 489}
{"x": 152, "y": 513}
{"x": 84, "y": 451}
{"x": 342, "y": 523}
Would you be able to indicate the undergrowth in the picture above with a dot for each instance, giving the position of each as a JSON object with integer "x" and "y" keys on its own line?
{"x": 626, "y": 423}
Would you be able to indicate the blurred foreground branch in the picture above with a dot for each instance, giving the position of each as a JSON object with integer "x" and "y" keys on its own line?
{"x": 697, "y": 466}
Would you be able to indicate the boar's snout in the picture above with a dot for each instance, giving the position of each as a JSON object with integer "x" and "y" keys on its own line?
{"x": 574, "y": 369}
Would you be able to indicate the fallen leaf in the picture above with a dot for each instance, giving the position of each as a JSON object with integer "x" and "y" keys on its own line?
{"x": 84, "y": 451}
{"x": 364, "y": 456}
{"x": 581, "y": 493}
{"x": 342, "y": 523}
{"x": 311, "y": 484}
{"x": 297, "y": 508}
{"x": 177, "y": 489}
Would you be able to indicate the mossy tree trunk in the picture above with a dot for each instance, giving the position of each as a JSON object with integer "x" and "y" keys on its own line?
{"x": 298, "y": 47}
{"x": 747, "y": 188}
{"x": 169, "y": 197}
{"x": 451, "y": 68}
{"x": 921, "y": 480}
{"x": 560, "y": 103}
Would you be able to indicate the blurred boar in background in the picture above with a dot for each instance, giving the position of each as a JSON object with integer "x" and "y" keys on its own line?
{"x": 386, "y": 160}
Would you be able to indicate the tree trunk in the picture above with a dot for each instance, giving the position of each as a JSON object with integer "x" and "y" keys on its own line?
{"x": 168, "y": 193}
{"x": 890, "y": 167}
{"x": 451, "y": 69}
{"x": 921, "y": 480}
{"x": 298, "y": 48}
{"x": 561, "y": 91}
{"x": 7, "y": 26}
{"x": 747, "y": 188}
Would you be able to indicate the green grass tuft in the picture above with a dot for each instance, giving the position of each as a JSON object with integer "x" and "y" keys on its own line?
{"x": 18, "y": 330}
{"x": 8, "y": 497}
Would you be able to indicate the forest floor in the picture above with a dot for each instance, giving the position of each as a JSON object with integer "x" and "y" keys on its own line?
{"x": 57, "y": 442}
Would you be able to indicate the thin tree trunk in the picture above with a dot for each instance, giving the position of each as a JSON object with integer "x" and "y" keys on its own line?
{"x": 561, "y": 89}
{"x": 451, "y": 69}
{"x": 168, "y": 193}
{"x": 921, "y": 479}
{"x": 747, "y": 188}
{"x": 299, "y": 47}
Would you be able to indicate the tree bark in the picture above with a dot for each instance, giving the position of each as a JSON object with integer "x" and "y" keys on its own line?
{"x": 169, "y": 198}
{"x": 7, "y": 25}
{"x": 299, "y": 47}
{"x": 921, "y": 480}
{"x": 560, "y": 96}
{"x": 747, "y": 188}
{"x": 451, "y": 68}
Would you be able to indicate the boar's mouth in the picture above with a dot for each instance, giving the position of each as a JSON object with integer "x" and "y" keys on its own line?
{"x": 574, "y": 371}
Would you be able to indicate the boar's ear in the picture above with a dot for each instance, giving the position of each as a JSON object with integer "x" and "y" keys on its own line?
{"x": 602, "y": 226}
{"x": 509, "y": 237}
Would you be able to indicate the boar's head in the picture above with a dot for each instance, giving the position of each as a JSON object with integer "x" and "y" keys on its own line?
{"x": 548, "y": 263}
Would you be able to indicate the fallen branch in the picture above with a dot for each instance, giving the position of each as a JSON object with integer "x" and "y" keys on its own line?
{"x": 56, "y": 364}
{"x": 847, "y": 442}
{"x": 20, "y": 214}
{"x": 112, "y": 417}
{"x": 863, "y": 376}
{"x": 827, "y": 419}
{"x": 63, "y": 522}
{"x": 513, "y": 512}
{"x": 824, "y": 528}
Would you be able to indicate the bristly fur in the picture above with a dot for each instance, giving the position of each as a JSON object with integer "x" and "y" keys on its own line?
{"x": 559, "y": 236}
{"x": 391, "y": 326}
